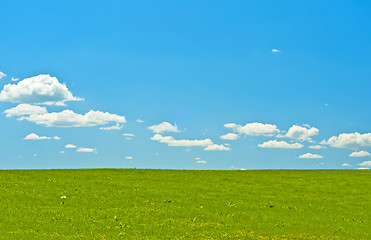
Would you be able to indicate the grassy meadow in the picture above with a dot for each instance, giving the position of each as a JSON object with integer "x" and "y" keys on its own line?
{"x": 175, "y": 204}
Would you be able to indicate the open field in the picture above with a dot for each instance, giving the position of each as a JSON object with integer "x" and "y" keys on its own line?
{"x": 171, "y": 204}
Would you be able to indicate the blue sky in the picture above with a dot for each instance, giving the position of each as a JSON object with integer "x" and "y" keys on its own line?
{"x": 288, "y": 81}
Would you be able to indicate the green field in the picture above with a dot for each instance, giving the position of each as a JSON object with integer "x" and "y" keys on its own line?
{"x": 174, "y": 204}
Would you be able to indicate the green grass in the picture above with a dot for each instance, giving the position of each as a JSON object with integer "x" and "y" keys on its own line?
{"x": 170, "y": 204}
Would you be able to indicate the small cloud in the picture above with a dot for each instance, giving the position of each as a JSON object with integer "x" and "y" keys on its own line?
{"x": 114, "y": 127}
{"x": 326, "y": 104}
{"x": 140, "y": 121}
{"x": 57, "y": 138}
{"x": 365, "y": 164}
{"x": 201, "y": 161}
{"x": 316, "y": 147}
{"x": 35, "y": 155}
{"x": 216, "y": 147}
{"x": 70, "y": 146}
{"x": 128, "y": 138}
{"x": 128, "y": 135}
{"x": 363, "y": 168}
{"x": 25, "y": 109}
{"x": 275, "y": 50}
{"x": 310, "y": 155}
{"x": 302, "y": 133}
{"x": 87, "y": 150}
{"x": 197, "y": 158}
{"x": 2, "y": 75}
{"x": 280, "y": 144}
{"x": 229, "y": 136}
{"x": 129, "y": 157}
{"x": 345, "y": 165}
{"x": 163, "y": 127}
{"x": 62, "y": 152}
{"x": 15, "y": 79}
{"x": 359, "y": 154}
{"x": 34, "y": 136}
{"x": 157, "y": 154}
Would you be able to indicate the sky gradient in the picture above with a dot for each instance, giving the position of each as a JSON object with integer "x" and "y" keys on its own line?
{"x": 185, "y": 85}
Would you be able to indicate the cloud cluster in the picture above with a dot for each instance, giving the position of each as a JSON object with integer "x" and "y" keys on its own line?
{"x": 206, "y": 143}
{"x": 349, "y": 140}
{"x": 68, "y": 118}
{"x": 163, "y": 127}
{"x": 300, "y": 133}
{"x": 280, "y": 144}
{"x": 365, "y": 164}
{"x": 42, "y": 89}
{"x": 81, "y": 149}
{"x": 254, "y": 129}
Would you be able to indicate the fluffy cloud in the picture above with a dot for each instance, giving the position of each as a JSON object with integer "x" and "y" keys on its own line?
{"x": 359, "y": 154}
{"x": 114, "y": 127}
{"x": 34, "y": 136}
{"x": 2, "y": 75}
{"x": 280, "y": 144}
{"x": 70, "y": 146}
{"x": 349, "y": 140}
{"x": 25, "y": 109}
{"x": 302, "y": 133}
{"x": 365, "y": 164}
{"x": 229, "y": 136}
{"x": 316, "y": 147}
{"x": 345, "y": 165}
{"x": 310, "y": 155}
{"x": 206, "y": 143}
{"x": 163, "y": 127}
{"x": 254, "y": 129}
{"x": 216, "y": 147}
{"x": 140, "y": 121}
{"x": 88, "y": 150}
{"x": 129, "y": 157}
{"x": 275, "y": 50}
{"x": 68, "y": 118}
{"x": 41, "y": 89}
{"x": 14, "y": 79}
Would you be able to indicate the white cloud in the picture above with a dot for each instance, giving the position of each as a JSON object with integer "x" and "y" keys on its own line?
{"x": 216, "y": 147}
{"x": 317, "y": 147}
{"x": 128, "y": 135}
{"x": 181, "y": 143}
{"x": 310, "y": 155}
{"x": 345, "y": 165}
{"x": 359, "y": 154}
{"x": 275, "y": 50}
{"x": 365, "y": 164}
{"x": 2, "y": 75}
{"x": 14, "y": 79}
{"x": 201, "y": 161}
{"x": 34, "y": 136}
{"x": 68, "y": 118}
{"x": 25, "y": 109}
{"x": 57, "y": 138}
{"x": 254, "y": 129}
{"x": 114, "y": 127}
{"x": 229, "y": 136}
{"x": 163, "y": 127}
{"x": 129, "y": 157}
{"x": 197, "y": 158}
{"x": 35, "y": 155}
{"x": 363, "y": 168}
{"x": 280, "y": 144}
{"x": 140, "y": 121}
{"x": 349, "y": 140}
{"x": 88, "y": 150}
{"x": 70, "y": 146}
{"x": 62, "y": 152}
{"x": 302, "y": 133}
{"x": 41, "y": 89}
